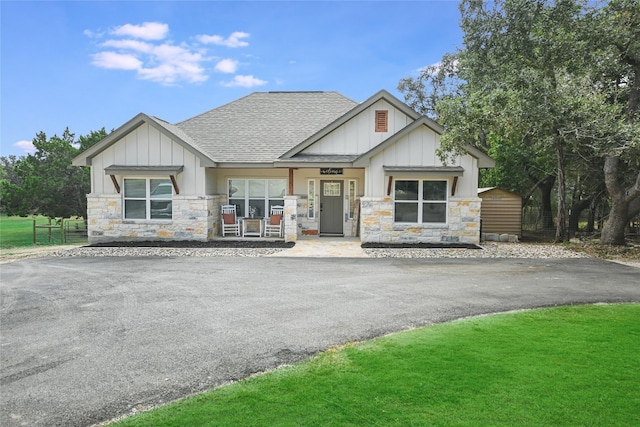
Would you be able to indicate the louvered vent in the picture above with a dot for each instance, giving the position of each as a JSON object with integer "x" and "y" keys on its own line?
{"x": 382, "y": 119}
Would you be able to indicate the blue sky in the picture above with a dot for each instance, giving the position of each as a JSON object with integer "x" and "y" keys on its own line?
{"x": 92, "y": 64}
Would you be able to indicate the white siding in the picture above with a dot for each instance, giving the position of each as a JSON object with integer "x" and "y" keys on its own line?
{"x": 418, "y": 148}
{"x": 358, "y": 135}
{"x": 146, "y": 146}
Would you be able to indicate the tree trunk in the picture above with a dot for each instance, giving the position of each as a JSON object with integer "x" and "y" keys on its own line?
{"x": 546, "y": 187}
{"x": 634, "y": 208}
{"x": 561, "y": 233}
{"x": 591, "y": 222}
{"x": 574, "y": 217}
{"x": 613, "y": 230}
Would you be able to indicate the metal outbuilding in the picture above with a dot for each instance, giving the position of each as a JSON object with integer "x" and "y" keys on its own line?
{"x": 501, "y": 211}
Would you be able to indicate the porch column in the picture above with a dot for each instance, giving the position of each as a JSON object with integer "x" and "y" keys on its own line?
{"x": 290, "y": 218}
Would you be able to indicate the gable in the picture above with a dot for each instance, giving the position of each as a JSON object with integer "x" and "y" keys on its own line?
{"x": 415, "y": 145}
{"x": 139, "y": 136}
{"x": 343, "y": 144}
{"x": 360, "y": 134}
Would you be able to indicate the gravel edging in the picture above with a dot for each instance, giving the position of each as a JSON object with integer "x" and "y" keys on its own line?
{"x": 487, "y": 250}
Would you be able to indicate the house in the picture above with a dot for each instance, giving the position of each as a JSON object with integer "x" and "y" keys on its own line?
{"x": 339, "y": 167}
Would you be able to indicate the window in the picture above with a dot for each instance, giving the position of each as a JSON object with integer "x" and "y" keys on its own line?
{"x": 255, "y": 197}
{"x": 311, "y": 194}
{"x": 148, "y": 198}
{"x": 331, "y": 189}
{"x": 382, "y": 119}
{"x": 352, "y": 197}
{"x": 420, "y": 201}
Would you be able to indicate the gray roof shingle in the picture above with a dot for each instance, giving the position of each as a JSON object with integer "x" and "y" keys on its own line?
{"x": 262, "y": 126}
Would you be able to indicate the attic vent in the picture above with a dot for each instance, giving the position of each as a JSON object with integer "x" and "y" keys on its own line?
{"x": 382, "y": 119}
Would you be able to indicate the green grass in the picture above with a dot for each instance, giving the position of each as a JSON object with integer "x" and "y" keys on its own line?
{"x": 16, "y": 232}
{"x": 568, "y": 366}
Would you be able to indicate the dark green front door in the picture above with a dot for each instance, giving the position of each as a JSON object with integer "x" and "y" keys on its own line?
{"x": 331, "y": 208}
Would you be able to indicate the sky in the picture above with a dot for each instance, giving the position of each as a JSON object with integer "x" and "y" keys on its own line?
{"x": 85, "y": 65}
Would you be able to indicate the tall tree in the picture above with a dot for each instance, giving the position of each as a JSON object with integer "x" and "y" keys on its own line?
{"x": 47, "y": 183}
{"x": 618, "y": 23}
{"x": 527, "y": 78}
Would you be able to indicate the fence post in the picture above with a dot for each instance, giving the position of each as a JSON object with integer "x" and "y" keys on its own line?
{"x": 34, "y": 231}
{"x": 62, "y": 234}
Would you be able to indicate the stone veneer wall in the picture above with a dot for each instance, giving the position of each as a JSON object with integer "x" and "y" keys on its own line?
{"x": 290, "y": 218}
{"x": 377, "y": 226}
{"x": 194, "y": 218}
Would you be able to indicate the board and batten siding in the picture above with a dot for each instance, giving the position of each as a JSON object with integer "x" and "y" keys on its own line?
{"x": 501, "y": 211}
{"x": 147, "y": 146}
{"x": 418, "y": 148}
{"x": 357, "y": 136}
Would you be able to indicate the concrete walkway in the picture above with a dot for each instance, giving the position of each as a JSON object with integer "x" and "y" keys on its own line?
{"x": 325, "y": 247}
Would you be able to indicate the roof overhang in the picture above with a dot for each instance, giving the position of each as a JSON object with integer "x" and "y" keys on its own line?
{"x": 484, "y": 161}
{"x": 143, "y": 170}
{"x": 423, "y": 170}
{"x": 170, "y": 171}
{"x": 317, "y": 161}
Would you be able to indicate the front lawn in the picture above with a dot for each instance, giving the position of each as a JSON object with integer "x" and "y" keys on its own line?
{"x": 557, "y": 366}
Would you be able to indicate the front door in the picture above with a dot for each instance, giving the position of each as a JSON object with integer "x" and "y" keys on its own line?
{"x": 331, "y": 208}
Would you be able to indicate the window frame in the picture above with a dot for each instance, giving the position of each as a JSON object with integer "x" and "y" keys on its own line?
{"x": 352, "y": 195}
{"x": 244, "y": 209}
{"x": 311, "y": 199}
{"x": 420, "y": 202}
{"x": 148, "y": 198}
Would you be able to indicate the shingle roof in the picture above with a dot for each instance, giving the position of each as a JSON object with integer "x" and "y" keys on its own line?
{"x": 262, "y": 126}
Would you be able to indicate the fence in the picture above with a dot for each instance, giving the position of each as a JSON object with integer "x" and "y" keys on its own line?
{"x": 60, "y": 231}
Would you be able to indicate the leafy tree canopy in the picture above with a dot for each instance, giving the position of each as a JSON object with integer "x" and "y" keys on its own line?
{"x": 45, "y": 182}
{"x": 543, "y": 85}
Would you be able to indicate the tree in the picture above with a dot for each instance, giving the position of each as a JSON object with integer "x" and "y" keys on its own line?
{"x": 619, "y": 25}
{"x": 529, "y": 77}
{"x": 46, "y": 182}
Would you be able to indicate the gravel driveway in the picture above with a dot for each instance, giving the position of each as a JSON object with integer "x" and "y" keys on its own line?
{"x": 86, "y": 339}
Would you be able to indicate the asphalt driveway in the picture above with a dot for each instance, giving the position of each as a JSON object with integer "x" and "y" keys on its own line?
{"x": 84, "y": 340}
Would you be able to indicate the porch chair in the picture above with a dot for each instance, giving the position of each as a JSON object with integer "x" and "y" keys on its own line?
{"x": 275, "y": 222}
{"x": 230, "y": 223}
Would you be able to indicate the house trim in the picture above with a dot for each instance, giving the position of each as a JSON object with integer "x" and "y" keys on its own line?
{"x": 423, "y": 170}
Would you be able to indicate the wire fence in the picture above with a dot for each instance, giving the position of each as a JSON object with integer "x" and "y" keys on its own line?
{"x": 60, "y": 231}
{"x": 589, "y": 223}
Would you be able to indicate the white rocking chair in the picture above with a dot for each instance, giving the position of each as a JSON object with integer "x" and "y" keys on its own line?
{"x": 230, "y": 223}
{"x": 275, "y": 222}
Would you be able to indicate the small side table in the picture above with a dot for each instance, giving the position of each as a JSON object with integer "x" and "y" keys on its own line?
{"x": 252, "y": 227}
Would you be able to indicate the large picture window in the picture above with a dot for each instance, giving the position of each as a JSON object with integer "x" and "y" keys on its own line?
{"x": 147, "y": 198}
{"x": 255, "y": 197}
{"x": 420, "y": 201}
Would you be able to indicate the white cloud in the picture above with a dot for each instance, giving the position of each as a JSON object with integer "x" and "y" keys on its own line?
{"x": 163, "y": 63}
{"x": 175, "y": 64}
{"x": 227, "y": 66}
{"x": 146, "y": 31}
{"x": 129, "y": 44}
{"x": 116, "y": 61}
{"x": 245, "y": 81}
{"x": 232, "y": 41}
{"x": 92, "y": 34}
{"x": 26, "y": 146}
{"x": 140, "y": 48}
